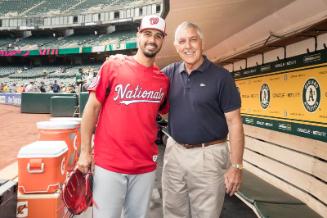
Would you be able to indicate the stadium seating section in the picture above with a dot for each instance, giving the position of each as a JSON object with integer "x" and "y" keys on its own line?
{"x": 65, "y": 75}
{"x": 6, "y": 71}
{"x": 31, "y": 43}
{"x": 57, "y": 6}
{"x": 41, "y": 7}
{"x": 44, "y": 41}
{"x": 16, "y": 7}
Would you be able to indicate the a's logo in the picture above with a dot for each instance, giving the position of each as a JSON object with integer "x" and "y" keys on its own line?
{"x": 264, "y": 96}
{"x": 202, "y": 85}
{"x": 311, "y": 95}
{"x": 154, "y": 158}
{"x": 154, "y": 20}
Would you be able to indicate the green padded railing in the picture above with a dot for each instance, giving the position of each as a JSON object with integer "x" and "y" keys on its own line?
{"x": 38, "y": 103}
{"x": 63, "y": 106}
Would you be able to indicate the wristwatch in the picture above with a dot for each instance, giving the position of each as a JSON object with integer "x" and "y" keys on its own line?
{"x": 238, "y": 166}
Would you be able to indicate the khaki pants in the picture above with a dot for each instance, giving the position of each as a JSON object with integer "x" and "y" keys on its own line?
{"x": 193, "y": 180}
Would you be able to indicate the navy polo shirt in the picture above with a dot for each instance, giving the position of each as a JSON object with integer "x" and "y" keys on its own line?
{"x": 198, "y": 102}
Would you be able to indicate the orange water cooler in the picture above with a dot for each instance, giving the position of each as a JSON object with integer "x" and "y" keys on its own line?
{"x": 66, "y": 131}
{"x": 78, "y": 120}
{"x": 42, "y": 167}
{"x": 40, "y": 205}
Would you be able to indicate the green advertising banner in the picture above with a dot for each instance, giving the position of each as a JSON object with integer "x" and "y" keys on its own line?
{"x": 64, "y": 51}
{"x": 131, "y": 45}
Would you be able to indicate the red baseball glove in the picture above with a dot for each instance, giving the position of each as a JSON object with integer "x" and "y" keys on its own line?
{"x": 77, "y": 192}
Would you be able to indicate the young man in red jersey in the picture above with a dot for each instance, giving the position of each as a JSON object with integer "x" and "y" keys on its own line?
{"x": 123, "y": 104}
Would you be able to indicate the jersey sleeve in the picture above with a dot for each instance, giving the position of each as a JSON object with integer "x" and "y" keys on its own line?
{"x": 101, "y": 83}
{"x": 164, "y": 107}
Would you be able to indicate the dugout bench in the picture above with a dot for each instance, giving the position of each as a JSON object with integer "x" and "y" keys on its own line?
{"x": 268, "y": 201}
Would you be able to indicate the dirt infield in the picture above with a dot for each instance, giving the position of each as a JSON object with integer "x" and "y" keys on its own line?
{"x": 16, "y": 129}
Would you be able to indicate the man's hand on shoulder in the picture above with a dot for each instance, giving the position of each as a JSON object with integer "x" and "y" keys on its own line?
{"x": 119, "y": 57}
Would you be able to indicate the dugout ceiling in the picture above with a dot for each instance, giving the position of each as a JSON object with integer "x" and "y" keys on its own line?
{"x": 235, "y": 27}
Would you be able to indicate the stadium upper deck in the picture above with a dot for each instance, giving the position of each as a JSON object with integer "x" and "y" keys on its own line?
{"x": 41, "y": 14}
{"x": 19, "y": 8}
{"x": 78, "y": 40}
{"x": 32, "y": 27}
{"x": 46, "y": 40}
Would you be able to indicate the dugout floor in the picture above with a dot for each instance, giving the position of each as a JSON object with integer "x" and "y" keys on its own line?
{"x": 18, "y": 129}
{"x": 233, "y": 207}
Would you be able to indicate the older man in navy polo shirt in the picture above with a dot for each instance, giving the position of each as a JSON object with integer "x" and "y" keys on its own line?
{"x": 204, "y": 107}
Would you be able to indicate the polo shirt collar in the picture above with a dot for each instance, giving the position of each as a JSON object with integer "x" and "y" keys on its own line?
{"x": 204, "y": 66}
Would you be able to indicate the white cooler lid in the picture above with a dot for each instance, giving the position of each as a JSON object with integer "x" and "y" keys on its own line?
{"x": 75, "y": 122}
{"x": 57, "y": 125}
{"x": 43, "y": 149}
{"x": 77, "y": 119}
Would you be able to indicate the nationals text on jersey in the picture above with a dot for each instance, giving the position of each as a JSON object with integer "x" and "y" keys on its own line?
{"x": 128, "y": 95}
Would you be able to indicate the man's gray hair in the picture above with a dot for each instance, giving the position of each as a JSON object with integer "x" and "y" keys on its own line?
{"x": 185, "y": 25}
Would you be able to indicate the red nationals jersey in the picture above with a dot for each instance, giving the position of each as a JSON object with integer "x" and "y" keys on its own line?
{"x": 131, "y": 96}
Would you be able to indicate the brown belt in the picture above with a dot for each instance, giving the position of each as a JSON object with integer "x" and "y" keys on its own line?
{"x": 203, "y": 144}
